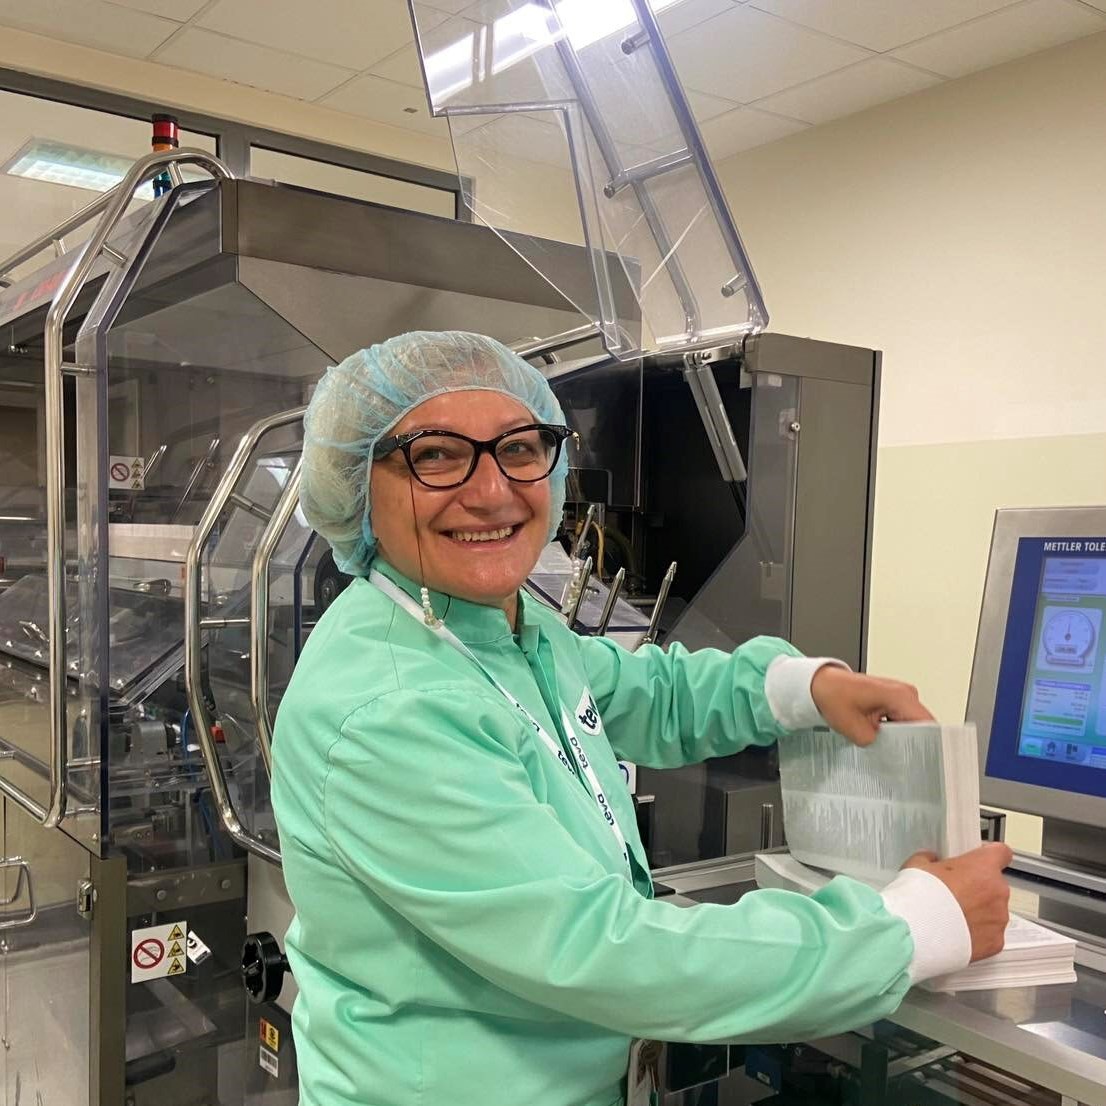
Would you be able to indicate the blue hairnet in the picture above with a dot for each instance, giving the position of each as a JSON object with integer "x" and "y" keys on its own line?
{"x": 359, "y": 401}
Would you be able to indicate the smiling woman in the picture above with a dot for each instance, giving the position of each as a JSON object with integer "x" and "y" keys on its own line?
{"x": 461, "y": 495}
{"x": 474, "y": 909}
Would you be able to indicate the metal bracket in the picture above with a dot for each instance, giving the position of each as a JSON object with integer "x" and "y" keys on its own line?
{"x": 86, "y": 898}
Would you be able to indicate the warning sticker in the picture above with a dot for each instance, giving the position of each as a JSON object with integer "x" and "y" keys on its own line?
{"x": 270, "y": 1035}
{"x": 269, "y": 1061}
{"x": 127, "y": 472}
{"x": 198, "y": 952}
{"x": 152, "y": 951}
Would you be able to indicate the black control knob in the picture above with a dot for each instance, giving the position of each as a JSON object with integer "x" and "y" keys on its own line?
{"x": 263, "y": 967}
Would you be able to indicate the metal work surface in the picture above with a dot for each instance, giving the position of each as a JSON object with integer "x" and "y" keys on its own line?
{"x": 1054, "y": 1036}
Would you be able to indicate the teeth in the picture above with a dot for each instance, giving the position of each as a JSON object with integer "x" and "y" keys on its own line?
{"x": 483, "y": 535}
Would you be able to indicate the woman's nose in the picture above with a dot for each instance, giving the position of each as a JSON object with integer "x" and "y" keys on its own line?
{"x": 487, "y": 484}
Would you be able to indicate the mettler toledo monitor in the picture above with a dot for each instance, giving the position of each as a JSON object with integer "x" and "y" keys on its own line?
{"x": 1038, "y": 689}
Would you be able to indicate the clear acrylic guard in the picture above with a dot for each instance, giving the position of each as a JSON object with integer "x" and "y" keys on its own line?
{"x": 591, "y": 87}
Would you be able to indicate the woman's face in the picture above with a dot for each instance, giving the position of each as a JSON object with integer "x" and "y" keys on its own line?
{"x": 409, "y": 519}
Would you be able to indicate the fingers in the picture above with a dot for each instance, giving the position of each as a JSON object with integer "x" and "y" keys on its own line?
{"x": 901, "y": 703}
{"x": 998, "y": 852}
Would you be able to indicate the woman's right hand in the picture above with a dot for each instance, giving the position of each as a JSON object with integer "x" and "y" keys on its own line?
{"x": 976, "y": 881}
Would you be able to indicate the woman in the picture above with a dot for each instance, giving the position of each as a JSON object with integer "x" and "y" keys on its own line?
{"x": 474, "y": 914}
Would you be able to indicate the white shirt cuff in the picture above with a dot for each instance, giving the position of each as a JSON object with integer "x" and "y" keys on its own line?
{"x": 787, "y": 688}
{"x": 942, "y": 941}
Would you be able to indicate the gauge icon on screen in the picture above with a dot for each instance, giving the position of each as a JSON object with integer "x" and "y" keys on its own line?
{"x": 1068, "y": 637}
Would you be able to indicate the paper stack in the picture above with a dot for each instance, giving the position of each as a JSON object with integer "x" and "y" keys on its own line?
{"x": 863, "y": 812}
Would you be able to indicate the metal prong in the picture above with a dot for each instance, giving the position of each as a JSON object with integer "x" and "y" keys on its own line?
{"x": 662, "y": 598}
{"x": 589, "y": 518}
{"x": 578, "y": 597}
{"x": 612, "y": 598}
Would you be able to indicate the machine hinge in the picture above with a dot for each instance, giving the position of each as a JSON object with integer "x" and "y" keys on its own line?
{"x": 86, "y": 897}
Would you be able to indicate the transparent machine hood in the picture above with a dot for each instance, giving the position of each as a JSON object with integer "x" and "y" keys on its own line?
{"x": 591, "y": 87}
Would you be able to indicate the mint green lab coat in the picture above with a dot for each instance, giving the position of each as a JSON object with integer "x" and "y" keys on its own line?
{"x": 466, "y": 931}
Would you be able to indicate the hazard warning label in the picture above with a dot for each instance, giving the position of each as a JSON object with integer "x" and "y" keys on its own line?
{"x": 158, "y": 951}
{"x": 127, "y": 472}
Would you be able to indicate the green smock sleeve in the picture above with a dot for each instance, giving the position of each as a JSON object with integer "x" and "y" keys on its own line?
{"x": 664, "y": 708}
{"x": 428, "y": 803}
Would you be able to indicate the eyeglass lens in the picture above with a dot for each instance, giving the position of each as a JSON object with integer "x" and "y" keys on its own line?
{"x": 442, "y": 460}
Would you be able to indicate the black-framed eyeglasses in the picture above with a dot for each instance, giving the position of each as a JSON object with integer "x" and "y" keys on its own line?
{"x": 446, "y": 459}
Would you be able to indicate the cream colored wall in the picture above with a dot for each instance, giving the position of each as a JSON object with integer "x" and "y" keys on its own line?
{"x": 962, "y": 231}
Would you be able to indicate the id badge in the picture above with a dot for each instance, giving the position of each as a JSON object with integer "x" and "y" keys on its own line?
{"x": 643, "y": 1076}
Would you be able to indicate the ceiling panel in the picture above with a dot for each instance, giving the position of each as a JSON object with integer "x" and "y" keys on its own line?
{"x": 745, "y": 55}
{"x": 860, "y": 86}
{"x": 738, "y": 130}
{"x": 95, "y": 23}
{"x": 1006, "y": 35}
{"x": 403, "y": 65}
{"x": 453, "y": 7}
{"x": 354, "y": 34}
{"x": 880, "y": 24}
{"x": 246, "y": 63}
{"x": 387, "y": 102}
{"x": 180, "y": 10}
{"x": 707, "y": 107}
{"x": 684, "y": 14}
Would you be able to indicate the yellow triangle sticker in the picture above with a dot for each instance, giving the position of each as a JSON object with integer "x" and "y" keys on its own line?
{"x": 176, "y": 968}
{"x": 177, "y": 934}
{"x": 176, "y": 950}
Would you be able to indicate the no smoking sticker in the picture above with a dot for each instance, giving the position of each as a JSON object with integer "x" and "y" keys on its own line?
{"x": 156, "y": 951}
{"x": 127, "y": 472}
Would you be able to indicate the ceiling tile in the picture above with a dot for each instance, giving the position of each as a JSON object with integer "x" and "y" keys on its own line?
{"x": 745, "y": 55}
{"x": 853, "y": 89}
{"x": 728, "y": 134}
{"x": 1006, "y": 35}
{"x": 387, "y": 102}
{"x": 401, "y": 67}
{"x": 246, "y": 63}
{"x": 880, "y": 24}
{"x": 453, "y": 7}
{"x": 685, "y": 14}
{"x": 352, "y": 33}
{"x": 707, "y": 107}
{"x": 180, "y": 10}
{"x": 91, "y": 23}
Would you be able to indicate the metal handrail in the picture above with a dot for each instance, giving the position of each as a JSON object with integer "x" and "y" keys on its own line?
{"x": 113, "y": 205}
{"x": 193, "y": 632}
{"x": 24, "y": 870}
{"x": 259, "y": 613}
{"x": 51, "y": 238}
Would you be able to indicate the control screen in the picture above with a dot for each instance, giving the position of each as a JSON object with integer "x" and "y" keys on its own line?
{"x": 1049, "y": 725}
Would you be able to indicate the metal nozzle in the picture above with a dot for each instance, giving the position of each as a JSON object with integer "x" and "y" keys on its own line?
{"x": 578, "y": 596}
{"x": 612, "y": 598}
{"x": 662, "y": 598}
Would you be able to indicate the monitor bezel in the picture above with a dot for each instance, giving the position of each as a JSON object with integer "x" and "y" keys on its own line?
{"x": 1011, "y": 526}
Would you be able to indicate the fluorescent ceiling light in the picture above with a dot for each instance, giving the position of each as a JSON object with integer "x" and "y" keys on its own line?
{"x": 59, "y": 163}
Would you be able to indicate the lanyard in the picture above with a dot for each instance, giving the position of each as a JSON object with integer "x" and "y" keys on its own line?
{"x": 402, "y": 599}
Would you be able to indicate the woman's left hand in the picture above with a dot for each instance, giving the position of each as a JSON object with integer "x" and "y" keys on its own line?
{"x": 854, "y": 705}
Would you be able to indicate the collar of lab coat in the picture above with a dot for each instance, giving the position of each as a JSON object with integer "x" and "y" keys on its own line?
{"x": 473, "y": 623}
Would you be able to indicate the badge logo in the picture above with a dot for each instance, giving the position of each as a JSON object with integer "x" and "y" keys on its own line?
{"x": 587, "y": 714}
